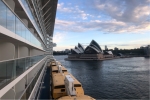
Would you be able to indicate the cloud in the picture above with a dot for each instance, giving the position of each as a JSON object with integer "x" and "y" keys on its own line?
{"x": 73, "y": 10}
{"x": 80, "y": 13}
{"x": 111, "y": 26}
{"x": 59, "y": 47}
{"x": 122, "y": 10}
{"x": 109, "y": 16}
{"x": 64, "y": 23}
{"x": 128, "y": 44}
{"x": 59, "y": 37}
{"x": 60, "y": 7}
{"x": 121, "y": 45}
{"x": 72, "y": 26}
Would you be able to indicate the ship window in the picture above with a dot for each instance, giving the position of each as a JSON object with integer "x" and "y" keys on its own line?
{"x": 77, "y": 85}
{"x": 59, "y": 86}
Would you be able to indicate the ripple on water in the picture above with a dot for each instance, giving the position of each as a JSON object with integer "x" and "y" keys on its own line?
{"x": 126, "y": 78}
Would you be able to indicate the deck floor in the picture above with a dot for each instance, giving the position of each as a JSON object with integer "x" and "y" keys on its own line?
{"x": 45, "y": 92}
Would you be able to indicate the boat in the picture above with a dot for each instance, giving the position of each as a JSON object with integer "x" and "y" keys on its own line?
{"x": 64, "y": 84}
{"x": 54, "y": 63}
{"x": 82, "y": 97}
{"x": 55, "y": 69}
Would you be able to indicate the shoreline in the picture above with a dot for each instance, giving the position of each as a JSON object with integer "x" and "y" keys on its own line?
{"x": 75, "y": 59}
{"x": 95, "y": 59}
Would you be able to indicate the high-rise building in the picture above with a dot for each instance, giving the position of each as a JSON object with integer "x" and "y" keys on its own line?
{"x": 146, "y": 50}
{"x": 26, "y": 42}
{"x": 116, "y": 48}
{"x": 106, "y": 47}
{"x": 67, "y": 50}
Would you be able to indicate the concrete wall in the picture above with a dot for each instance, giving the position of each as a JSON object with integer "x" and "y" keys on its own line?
{"x": 23, "y": 52}
{"x": 34, "y": 52}
{"x": 108, "y": 56}
{"x": 100, "y": 56}
{"x": 91, "y": 56}
{"x": 7, "y": 51}
{"x": 16, "y": 51}
{"x": 85, "y": 56}
{"x": 10, "y": 51}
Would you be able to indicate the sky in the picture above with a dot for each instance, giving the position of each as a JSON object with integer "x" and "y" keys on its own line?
{"x": 116, "y": 23}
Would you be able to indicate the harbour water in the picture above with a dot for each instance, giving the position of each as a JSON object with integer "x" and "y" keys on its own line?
{"x": 126, "y": 78}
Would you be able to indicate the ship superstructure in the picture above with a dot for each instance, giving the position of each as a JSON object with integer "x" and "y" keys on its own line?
{"x": 26, "y": 45}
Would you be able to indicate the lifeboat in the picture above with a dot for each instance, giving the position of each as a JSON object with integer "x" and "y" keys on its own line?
{"x": 59, "y": 87}
{"x": 55, "y": 63}
{"x": 65, "y": 85}
{"x": 55, "y": 69}
{"x": 82, "y": 97}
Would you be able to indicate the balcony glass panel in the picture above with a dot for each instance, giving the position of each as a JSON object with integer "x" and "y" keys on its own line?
{"x": 2, "y": 14}
{"x": 28, "y": 35}
{"x": 10, "y": 70}
{"x": 30, "y": 15}
{"x": 10, "y": 21}
{"x": 29, "y": 88}
{"x": 13, "y": 23}
{"x": 18, "y": 27}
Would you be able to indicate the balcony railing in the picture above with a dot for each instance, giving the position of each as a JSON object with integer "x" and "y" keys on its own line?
{"x": 9, "y": 70}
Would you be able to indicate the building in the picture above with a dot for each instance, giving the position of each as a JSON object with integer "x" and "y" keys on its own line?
{"x": 93, "y": 48}
{"x": 146, "y": 50}
{"x": 26, "y": 42}
{"x": 116, "y": 48}
{"x": 142, "y": 47}
{"x": 108, "y": 54}
{"x": 67, "y": 51}
{"x": 106, "y": 47}
{"x": 92, "y": 52}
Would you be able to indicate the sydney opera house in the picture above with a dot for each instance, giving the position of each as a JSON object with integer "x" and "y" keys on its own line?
{"x": 92, "y": 52}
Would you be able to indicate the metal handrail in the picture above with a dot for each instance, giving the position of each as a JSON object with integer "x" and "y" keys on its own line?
{"x": 27, "y": 63}
{"x": 18, "y": 58}
{"x": 34, "y": 91}
{"x": 14, "y": 82}
{"x": 29, "y": 84}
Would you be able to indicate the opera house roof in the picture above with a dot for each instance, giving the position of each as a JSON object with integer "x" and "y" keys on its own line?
{"x": 93, "y": 48}
{"x": 108, "y": 53}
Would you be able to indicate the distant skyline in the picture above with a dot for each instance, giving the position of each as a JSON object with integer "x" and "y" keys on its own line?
{"x": 116, "y": 23}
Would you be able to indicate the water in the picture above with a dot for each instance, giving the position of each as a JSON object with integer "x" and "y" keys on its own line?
{"x": 126, "y": 78}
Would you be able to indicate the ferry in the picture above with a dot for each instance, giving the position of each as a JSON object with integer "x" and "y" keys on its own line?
{"x": 65, "y": 85}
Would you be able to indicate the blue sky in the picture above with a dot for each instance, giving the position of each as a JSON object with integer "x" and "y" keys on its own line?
{"x": 116, "y": 23}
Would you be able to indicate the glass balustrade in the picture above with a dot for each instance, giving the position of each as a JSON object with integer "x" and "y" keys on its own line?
{"x": 9, "y": 70}
{"x": 31, "y": 85}
{"x": 14, "y": 24}
{"x": 30, "y": 15}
